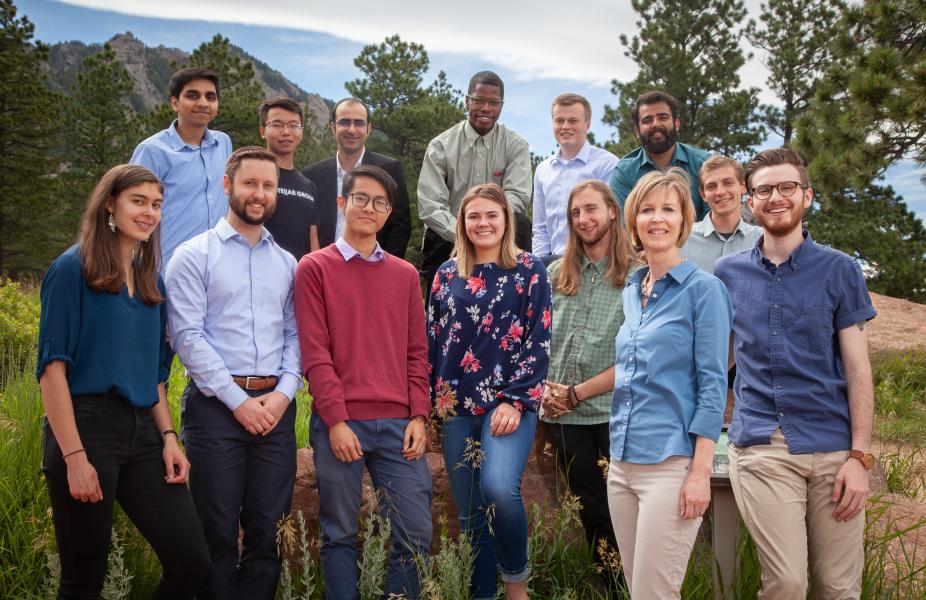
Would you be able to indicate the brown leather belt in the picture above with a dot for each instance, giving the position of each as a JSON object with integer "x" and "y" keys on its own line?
{"x": 253, "y": 383}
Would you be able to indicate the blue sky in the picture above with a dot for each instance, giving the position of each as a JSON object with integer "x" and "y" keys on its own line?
{"x": 539, "y": 47}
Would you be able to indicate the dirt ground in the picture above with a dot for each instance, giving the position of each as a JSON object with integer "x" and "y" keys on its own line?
{"x": 900, "y": 324}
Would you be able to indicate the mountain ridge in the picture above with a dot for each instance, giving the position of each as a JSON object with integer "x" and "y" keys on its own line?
{"x": 150, "y": 69}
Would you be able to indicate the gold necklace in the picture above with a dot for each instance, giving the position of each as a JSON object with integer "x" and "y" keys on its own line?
{"x": 644, "y": 293}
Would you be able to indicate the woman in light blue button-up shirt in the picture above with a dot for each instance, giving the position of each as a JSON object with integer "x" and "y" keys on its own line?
{"x": 670, "y": 391}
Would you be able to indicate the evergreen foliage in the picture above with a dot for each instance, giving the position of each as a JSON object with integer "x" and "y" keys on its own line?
{"x": 869, "y": 110}
{"x": 875, "y": 226}
{"x": 797, "y": 53}
{"x": 28, "y": 132}
{"x": 691, "y": 49}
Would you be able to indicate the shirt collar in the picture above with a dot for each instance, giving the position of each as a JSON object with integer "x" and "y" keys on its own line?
{"x": 796, "y": 258}
{"x": 337, "y": 161}
{"x": 679, "y": 272}
{"x": 584, "y": 153}
{"x": 176, "y": 142}
{"x": 349, "y": 252}
{"x": 599, "y": 266}
{"x": 705, "y": 226}
{"x": 472, "y": 135}
{"x": 680, "y": 155}
{"x": 225, "y": 231}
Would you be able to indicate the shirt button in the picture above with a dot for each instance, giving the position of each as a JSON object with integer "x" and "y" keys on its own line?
{"x": 781, "y": 414}
{"x": 778, "y": 279}
{"x": 777, "y": 387}
{"x": 654, "y": 295}
{"x": 774, "y": 333}
{"x": 774, "y": 306}
{"x": 644, "y": 315}
{"x": 628, "y": 404}
{"x": 630, "y": 359}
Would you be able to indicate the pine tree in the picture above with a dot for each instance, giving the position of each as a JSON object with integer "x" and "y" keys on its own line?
{"x": 408, "y": 114}
{"x": 28, "y": 127}
{"x": 875, "y": 226}
{"x": 405, "y": 115}
{"x": 691, "y": 49}
{"x": 869, "y": 109}
{"x": 795, "y": 35}
{"x": 98, "y": 126}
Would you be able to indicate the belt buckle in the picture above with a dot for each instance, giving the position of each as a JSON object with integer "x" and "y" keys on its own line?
{"x": 247, "y": 382}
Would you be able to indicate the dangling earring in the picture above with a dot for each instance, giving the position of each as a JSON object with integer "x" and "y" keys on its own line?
{"x": 111, "y": 222}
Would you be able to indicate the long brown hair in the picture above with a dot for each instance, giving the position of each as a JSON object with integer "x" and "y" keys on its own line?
{"x": 463, "y": 248}
{"x": 101, "y": 256}
{"x": 620, "y": 253}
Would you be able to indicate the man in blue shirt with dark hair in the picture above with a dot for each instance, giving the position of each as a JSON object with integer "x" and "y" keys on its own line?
{"x": 189, "y": 159}
{"x": 656, "y": 123}
{"x": 801, "y": 428}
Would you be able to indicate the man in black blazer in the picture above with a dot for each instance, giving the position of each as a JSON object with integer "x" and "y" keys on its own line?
{"x": 350, "y": 123}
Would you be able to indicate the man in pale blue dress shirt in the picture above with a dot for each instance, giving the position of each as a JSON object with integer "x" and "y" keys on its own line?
{"x": 575, "y": 161}
{"x": 189, "y": 159}
{"x": 233, "y": 325}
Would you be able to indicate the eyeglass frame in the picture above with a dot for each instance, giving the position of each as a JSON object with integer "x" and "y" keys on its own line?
{"x": 775, "y": 188}
{"x": 348, "y": 123}
{"x": 388, "y": 203}
{"x": 291, "y": 125}
{"x": 479, "y": 101}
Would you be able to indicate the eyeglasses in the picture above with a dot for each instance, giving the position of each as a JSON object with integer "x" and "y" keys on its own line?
{"x": 291, "y": 125}
{"x": 785, "y": 189}
{"x": 479, "y": 101}
{"x": 360, "y": 200}
{"x": 346, "y": 123}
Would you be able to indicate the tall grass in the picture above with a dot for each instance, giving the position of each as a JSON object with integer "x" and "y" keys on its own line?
{"x": 900, "y": 390}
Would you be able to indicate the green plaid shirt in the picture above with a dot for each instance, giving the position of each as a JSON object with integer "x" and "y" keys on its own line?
{"x": 582, "y": 345}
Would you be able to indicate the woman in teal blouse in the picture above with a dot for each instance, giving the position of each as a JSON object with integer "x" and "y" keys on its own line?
{"x": 671, "y": 385}
{"x": 102, "y": 368}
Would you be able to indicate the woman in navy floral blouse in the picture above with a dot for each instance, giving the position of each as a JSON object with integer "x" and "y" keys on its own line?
{"x": 489, "y": 349}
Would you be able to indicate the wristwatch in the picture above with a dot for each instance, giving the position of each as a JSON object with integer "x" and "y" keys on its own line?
{"x": 867, "y": 460}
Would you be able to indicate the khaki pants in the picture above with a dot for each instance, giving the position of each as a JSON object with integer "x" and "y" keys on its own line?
{"x": 654, "y": 541}
{"x": 786, "y": 502}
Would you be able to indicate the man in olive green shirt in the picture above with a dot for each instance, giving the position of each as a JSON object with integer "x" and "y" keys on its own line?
{"x": 587, "y": 312}
{"x": 475, "y": 151}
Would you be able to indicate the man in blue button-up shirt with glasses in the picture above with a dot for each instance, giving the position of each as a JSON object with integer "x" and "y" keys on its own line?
{"x": 801, "y": 428}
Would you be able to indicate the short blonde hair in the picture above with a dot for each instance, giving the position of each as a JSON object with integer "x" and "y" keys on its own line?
{"x": 463, "y": 248}
{"x": 673, "y": 180}
{"x": 717, "y": 162}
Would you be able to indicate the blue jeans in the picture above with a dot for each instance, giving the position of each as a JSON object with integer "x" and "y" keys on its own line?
{"x": 405, "y": 499}
{"x": 492, "y": 487}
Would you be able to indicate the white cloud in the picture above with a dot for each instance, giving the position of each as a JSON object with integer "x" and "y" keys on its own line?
{"x": 572, "y": 41}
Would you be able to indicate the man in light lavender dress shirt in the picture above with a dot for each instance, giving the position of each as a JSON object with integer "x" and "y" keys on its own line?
{"x": 575, "y": 161}
{"x": 233, "y": 325}
{"x": 189, "y": 159}
{"x": 723, "y": 230}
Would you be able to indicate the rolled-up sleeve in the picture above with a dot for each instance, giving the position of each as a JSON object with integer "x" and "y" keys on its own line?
{"x": 433, "y": 193}
{"x": 59, "y": 319}
{"x": 517, "y": 180}
{"x": 713, "y": 315}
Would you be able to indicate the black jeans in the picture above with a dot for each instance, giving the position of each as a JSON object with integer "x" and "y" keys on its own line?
{"x": 125, "y": 448}
{"x": 578, "y": 450}
{"x": 239, "y": 478}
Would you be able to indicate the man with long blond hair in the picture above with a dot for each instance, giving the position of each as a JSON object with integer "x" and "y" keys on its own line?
{"x": 587, "y": 312}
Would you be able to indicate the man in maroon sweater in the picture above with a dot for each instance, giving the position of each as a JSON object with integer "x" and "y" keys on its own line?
{"x": 364, "y": 352}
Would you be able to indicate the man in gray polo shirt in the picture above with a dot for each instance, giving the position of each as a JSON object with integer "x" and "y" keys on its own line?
{"x": 722, "y": 231}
